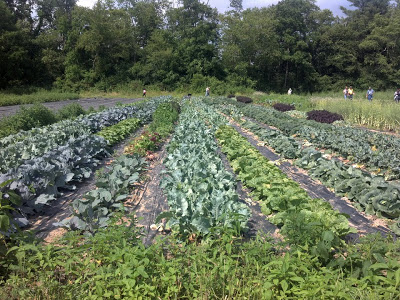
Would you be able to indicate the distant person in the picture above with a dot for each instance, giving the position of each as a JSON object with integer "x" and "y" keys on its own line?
{"x": 345, "y": 92}
{"x": 207, "y": 91}
{"x": 397, "y": 96}
{"x": 144, "y": 92}
{"x": 351, "y": 93}
{"x": 289, "y": 92}
{"x": 370, "y": 94}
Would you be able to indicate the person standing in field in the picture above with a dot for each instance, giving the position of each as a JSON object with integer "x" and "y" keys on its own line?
{"x": 351, "y": 93}
{"x": 144, "y": 92}
{"x": 397, "y": 96}
{"x": 345, "y": 92}
{"x": 370, "y": 94}
{"x": 208, "y": 91}
{"x": 289, "y": 92}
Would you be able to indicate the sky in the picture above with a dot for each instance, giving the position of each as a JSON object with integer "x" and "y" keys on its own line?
{"x": 223, "y": 5}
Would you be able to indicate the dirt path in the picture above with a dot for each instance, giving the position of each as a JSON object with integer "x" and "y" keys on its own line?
{"x": 86, "y": 103}
{"x": 363, "y": 223}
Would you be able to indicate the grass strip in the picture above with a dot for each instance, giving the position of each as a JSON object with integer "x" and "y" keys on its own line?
{"x": 36, "y": 97}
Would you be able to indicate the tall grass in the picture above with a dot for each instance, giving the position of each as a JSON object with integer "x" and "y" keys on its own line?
{"x": 301, "y": 102}
{"x": 39, "y": 96}
{"x": 382, "y": 113}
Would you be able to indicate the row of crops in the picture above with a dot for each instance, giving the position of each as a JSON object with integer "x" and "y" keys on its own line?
{"x": 369, "y": 192}
{"x": 42, "y": 163}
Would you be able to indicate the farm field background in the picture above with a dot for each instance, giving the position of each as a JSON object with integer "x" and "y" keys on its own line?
{"x": 240, "y": 209}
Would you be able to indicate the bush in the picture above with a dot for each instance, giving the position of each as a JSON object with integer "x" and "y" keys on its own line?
{"x": 35, "y": 116}
{"x": 244, "y": 99}
{"x": 283, "y": 107}
{"x": 231, "y": 96}
{"x": 70, "y": 111}
{"x": 323, "y": 116}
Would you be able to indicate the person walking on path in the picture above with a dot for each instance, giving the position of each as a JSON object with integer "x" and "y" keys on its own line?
{"x": 370, "y": 94}
{"x": 208, "y": 91}
{"x": 351, "y": 93}
{"x": 144, "y": 92}
{"x": 345, "y": 92}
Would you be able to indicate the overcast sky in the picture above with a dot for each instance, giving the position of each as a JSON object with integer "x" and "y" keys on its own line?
{"x": 223, "y": 5}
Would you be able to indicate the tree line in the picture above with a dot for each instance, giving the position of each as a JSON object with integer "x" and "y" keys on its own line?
{"x": 153, "y": 42}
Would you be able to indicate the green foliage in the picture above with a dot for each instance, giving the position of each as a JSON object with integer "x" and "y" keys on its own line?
{"x": 370, "y": 193}
{"x": 375, "y": 150}
{"x": 114, "y": 263}
{"x": 163, "y": 123}
{"x": 120, "y": 131}
{"x": 94, "y": 209}
{"x": 305, "y": 221}
{"x": 13, "y": 97}
{"x": 27, "y": 118}
{"x": 70, "y": 111}
{"x": 8, "y": 200}
{"x": 381, "y": 114}
{"x": 201, "y": 193}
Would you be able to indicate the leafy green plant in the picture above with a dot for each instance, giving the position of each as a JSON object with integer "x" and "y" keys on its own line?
{"x": 201, "y": 193}
{"x": 70, "y": 111}
{"x": 284, "y": 197}
{"x": 94, "y": 209}
{"x": 8, "y": 200}
{"x": 118, "y": 132}
{"x": 147, "y": 141}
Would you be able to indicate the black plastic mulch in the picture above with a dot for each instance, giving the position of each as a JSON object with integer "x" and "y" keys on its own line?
{"x": 318, "y": 190}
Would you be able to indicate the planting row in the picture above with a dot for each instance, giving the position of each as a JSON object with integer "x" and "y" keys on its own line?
{"x": 304, "y": 221}
{"x": 38, "y": 180}
{"x": 379, "y": 152}
{"x": 371, "y": 193}
{"x": 94, "y": 209}
{"x": 201, "y": 193}
{"x": 30, "y": 144}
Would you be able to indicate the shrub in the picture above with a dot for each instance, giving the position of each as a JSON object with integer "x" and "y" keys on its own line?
{"x": 283, "y": 107}
{"x": 35, "y": 116}
{"x": 244, "y": 99}
{"x": 70, "y": 111}
{"x": 323, "y": 116}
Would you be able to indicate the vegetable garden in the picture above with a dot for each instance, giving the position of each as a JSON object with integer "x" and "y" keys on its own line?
{"x": 216, "y": 150}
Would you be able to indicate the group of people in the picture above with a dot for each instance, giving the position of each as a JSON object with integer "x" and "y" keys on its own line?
{"x": 348, "y": 93}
